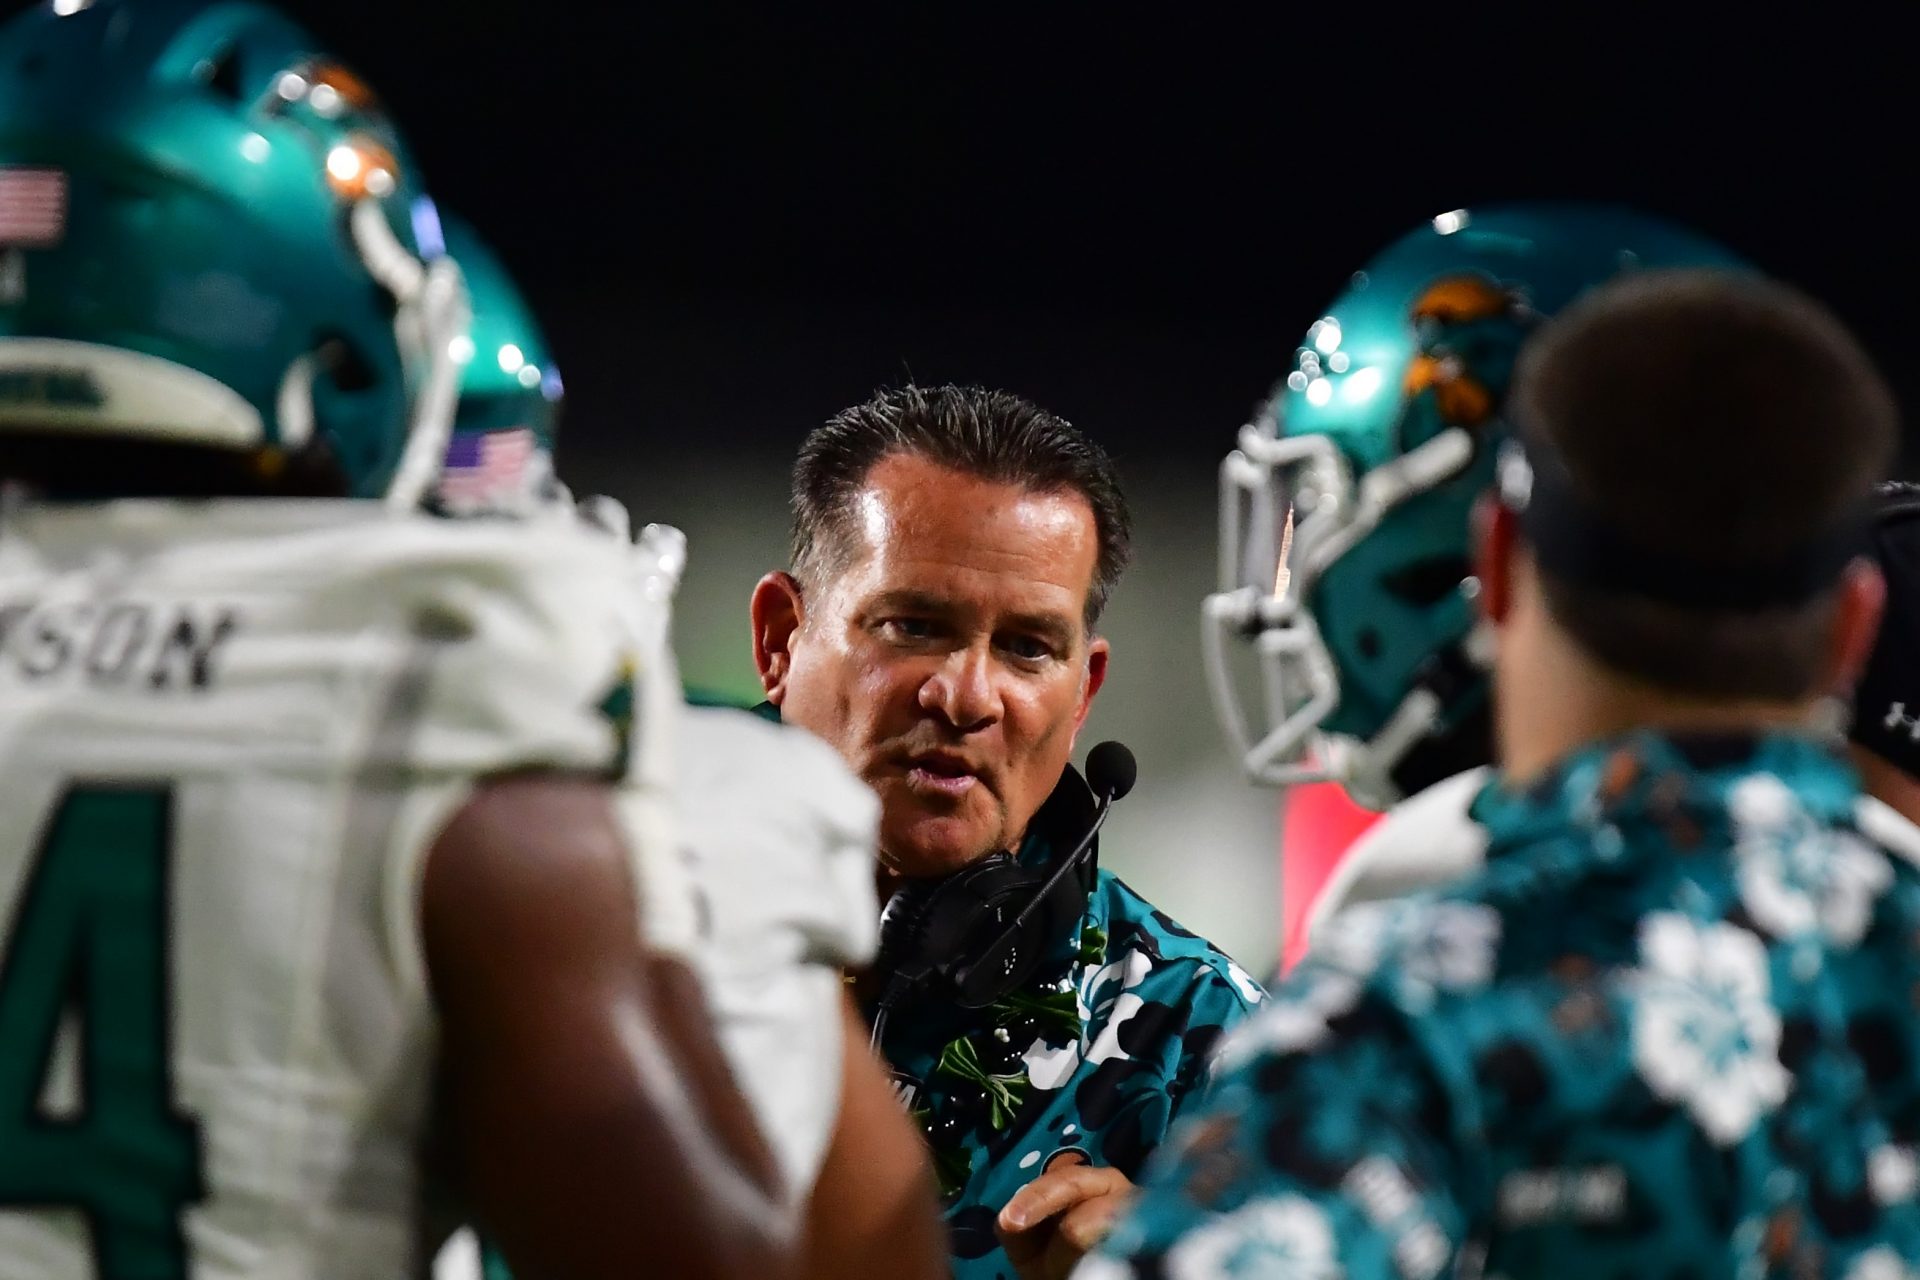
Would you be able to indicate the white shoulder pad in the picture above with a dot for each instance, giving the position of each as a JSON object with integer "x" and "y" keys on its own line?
{"x": 780, "y": 837}
{"x": 1424, "y": 841}
{"x": 526, "y": 662}
{"x": 783, "y": 838}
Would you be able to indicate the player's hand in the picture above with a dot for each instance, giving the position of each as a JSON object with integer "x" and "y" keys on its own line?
{"x": 1055, "y": 1219}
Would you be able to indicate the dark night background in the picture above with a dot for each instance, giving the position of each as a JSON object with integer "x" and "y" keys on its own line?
{"x": 735, "y": 220}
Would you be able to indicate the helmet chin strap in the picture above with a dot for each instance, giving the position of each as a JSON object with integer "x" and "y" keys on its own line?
{"x": 432, "y": 311}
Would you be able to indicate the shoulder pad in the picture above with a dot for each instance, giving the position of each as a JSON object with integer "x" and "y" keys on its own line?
{"x": 783, "y": 836}
{"x": 1425, "y": 841}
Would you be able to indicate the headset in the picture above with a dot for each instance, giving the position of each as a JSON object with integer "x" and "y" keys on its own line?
{"x": 979, "y": 933}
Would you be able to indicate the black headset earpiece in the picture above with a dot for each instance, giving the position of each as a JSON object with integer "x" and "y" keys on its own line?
{"x": 939, "y": 930}
{"x": 980, "y": 933}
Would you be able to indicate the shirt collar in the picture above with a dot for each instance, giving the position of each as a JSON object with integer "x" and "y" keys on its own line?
{"x": 1619, "y": 777}
{"x": 1059, "y": 822}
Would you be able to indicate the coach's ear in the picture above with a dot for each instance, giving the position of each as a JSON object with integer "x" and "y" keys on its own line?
{"x": 778, "y": 610}
{"x": 1495, "y": 536}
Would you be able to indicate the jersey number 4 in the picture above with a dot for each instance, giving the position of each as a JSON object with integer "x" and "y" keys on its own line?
{"x": 88, "y": 945}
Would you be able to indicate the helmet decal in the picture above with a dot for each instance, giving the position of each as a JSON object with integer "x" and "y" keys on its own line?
{"x": 360, "y": 167}
{"x": 1443, "y": 310}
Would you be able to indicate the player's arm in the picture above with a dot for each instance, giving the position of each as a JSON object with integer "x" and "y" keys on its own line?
{"x": 874, "y": 1211}
{"x": 589, "y": 1113}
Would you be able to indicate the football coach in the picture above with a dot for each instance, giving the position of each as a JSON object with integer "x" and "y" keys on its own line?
{"x": 953, "y": 548}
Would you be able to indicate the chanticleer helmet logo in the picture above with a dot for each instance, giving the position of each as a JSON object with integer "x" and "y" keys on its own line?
{"x": 1441, "y": 367}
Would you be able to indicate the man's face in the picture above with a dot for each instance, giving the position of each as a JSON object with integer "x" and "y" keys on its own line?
{"x": 948, "y": 660}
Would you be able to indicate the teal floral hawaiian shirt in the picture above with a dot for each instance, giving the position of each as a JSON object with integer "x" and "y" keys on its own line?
{"x": 1672, "y": 1029}
{"x": 1095, "y": 1057}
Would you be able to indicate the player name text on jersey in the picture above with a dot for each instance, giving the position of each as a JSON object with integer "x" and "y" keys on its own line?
{"x": 162, "y": 646}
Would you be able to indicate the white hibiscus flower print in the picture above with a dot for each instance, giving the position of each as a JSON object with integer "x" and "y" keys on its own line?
{"x": 1287, "y": 1238}
{"x": 1798, "y": 876}
{"x": 1243, "y": 980}
{"x": 1105, "y": 995}
{"x": 1429, "y": 946}
{"x": 1100, "y": 988}
{"x": 1293, "y": 1019}
{"x": 1879, "y": 1263}
{"x": 1892, "y": 1174}
{"x": 1453, "y": 946}
{"x": 1356, "y": 939}
{"x": 1705, "y": 1032}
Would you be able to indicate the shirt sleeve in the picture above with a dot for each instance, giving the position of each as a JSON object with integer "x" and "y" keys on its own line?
{"x": 1217, "y": 1006}
{"x": 1319, "y": 1153}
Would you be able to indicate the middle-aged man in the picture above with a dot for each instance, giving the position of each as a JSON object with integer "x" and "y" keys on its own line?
{"x": 1668, "y": 1028}
{"x": 953, "y": 549}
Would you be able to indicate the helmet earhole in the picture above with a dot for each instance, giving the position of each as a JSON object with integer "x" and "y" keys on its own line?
{"x": 343, "y": 363}
{"x": 221, "y": 74}
{"x": 1368, "y": 643}
{"x": 1426, "y": 582}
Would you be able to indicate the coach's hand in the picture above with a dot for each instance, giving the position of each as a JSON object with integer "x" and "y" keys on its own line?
{"x": 1053, "y": 1220}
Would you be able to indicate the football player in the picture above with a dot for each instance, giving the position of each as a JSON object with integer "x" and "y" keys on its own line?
{"x": 776, "y": 897}
{"x": 312, "y": 859}
{"x": 1434, "y": 838}
{"x": 1344, "y": 524}
{"x": 1667, "y": 1029}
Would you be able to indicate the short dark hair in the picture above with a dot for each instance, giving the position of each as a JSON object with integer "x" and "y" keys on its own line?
{"x": 1726, "y": 419}
{"x": 992, "y": 435}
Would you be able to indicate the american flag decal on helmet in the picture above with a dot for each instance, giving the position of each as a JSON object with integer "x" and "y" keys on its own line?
{"x": 33, "y": 207}
{"x": 484, "y": 466}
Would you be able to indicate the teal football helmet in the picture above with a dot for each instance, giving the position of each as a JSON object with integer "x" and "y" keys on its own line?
{"x": 212, "y": 236}
{"x": 500, "y": 459}
{"x": 1344, "y": 519}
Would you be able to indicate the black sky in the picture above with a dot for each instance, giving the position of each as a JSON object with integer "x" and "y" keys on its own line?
{"x": 746, "y": 215}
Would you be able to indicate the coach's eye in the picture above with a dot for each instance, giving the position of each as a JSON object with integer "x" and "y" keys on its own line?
{"x": 1027, "y": 648}
{"x": 907, "y": 630}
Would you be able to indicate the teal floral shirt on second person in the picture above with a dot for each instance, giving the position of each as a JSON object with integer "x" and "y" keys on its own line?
{"x": 1671, "y": 1030}
{"x": 1094, "y": 1059}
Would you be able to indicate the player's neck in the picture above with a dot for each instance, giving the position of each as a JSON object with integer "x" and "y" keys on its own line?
{"x": 1555, "y": 699}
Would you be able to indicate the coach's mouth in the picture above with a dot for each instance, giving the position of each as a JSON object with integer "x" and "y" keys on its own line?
{"x": 942, "y": 773}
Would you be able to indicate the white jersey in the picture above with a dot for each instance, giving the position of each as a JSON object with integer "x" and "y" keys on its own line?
{"x": 228, "y": 734}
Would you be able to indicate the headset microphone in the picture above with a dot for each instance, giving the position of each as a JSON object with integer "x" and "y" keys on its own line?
{"x": 1111, "y": 772}
{"x": 982, "y": 931}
